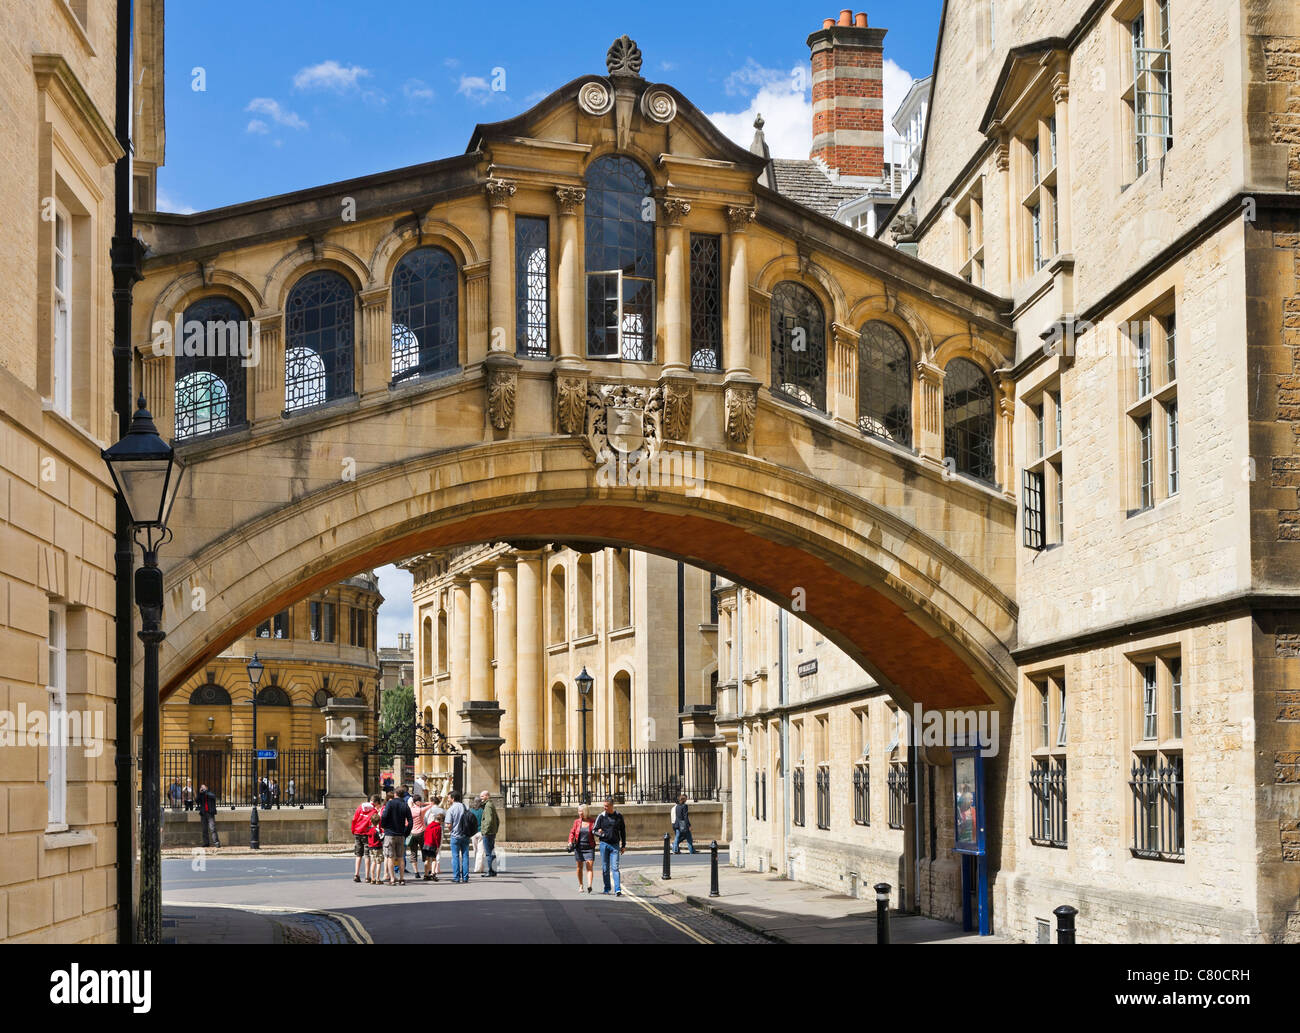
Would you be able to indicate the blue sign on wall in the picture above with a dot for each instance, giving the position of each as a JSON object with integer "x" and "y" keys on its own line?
{"x": 267, "y": 754}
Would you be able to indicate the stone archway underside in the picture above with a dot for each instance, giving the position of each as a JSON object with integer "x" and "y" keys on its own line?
{"x": 925, "y": 629}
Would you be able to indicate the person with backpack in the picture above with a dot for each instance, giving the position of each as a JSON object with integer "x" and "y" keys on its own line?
{"x": 611, "y": 830}
{"x": 476, "y": 841}
{"x": 489, "y": 825}
{"x": 361, "y": 825}
{"x": 681, "y": 823}
{"x": 415, "y": 843}
{"x": 396, "y": 823}
{"x": 433, "y": 820}
{"x": 462, "y": 825}
{"x": 375, "y": 847}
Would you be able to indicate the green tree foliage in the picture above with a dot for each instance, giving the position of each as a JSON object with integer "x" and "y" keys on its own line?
{"x": 397, "y": 724}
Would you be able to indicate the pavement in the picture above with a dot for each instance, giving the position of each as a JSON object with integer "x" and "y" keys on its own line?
{"x": 794, "y": 912}
{"x": 242, "y": 849}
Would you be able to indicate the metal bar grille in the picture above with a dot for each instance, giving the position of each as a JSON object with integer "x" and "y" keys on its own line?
{"x": 235, "y": 776}
{"x": 1034, "y": 510}
{"x": 823, "y": 798}
{"x": 897, "y": 795}
{"x": 798, "y": 797}
{"x": 862, "y": 795}
{"x": 553, "y": 778}
{"x": 1047, "y": 789}
{"x": 1158, "y": 808}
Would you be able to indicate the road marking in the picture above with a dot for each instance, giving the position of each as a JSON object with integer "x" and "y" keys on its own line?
{"x": 679, "y": 926}
{"x": 355, "y": 930}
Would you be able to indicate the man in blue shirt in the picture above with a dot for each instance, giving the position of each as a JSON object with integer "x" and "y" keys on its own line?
{"x": 612, "y": 833}
{"x": 458, "y": 826}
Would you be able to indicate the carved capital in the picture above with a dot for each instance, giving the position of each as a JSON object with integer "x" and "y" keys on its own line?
{"x": 570, "y": 199}
{"x": 570, "y": 402}
{"x": 739, "y": 218}
{"x": 679, "y": 402}
{"x": 741, "y": 407}
{"x": 928, "y": 373}
{"x": 499, "y": 192}
{"x": 675, "y": 209}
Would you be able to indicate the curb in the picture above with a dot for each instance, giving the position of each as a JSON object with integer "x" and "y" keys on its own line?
{"x": 705, "y": 904}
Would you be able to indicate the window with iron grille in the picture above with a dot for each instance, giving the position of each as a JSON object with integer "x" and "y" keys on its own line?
{"x": 762, "y": 791}
{"x": 823, "y": 798}
{"x": 861, "y": 794}
{"x": 884, "y": 383}
{"x": 425, "y": 314}
{"x": 532, "y": 287}
{"x": 211, "y": 383}
{"x": 798, "y": 816}
{"x": 620, "y": 260}
{"x": 798, "y": 344}
{"x": 897, "y": 795}
{"x": 968, "y": 419}
{"x": 319, "y": 327}
{"x": 1032, "y": 499}
{"x": 1048, "y": 806}
{"x": 1157, "y": 785}
{"x": 706, "y": 302}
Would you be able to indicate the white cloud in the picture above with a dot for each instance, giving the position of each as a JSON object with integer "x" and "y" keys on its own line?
{"x": 416, "y": 89}
{"x": 784, "y": 99}
{"x": 474, "y": 87}
{"x": 278, "y": 115}
{"x": 396, "y": 614}
{"x": 256, "y": 125}
{"x": 329, "y": 75}
{"x": 166, "y": 203}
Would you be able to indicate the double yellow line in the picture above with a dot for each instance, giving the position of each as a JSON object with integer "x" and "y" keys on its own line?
{"x": 681, "y": 927}
{"x": 355, "y": 930}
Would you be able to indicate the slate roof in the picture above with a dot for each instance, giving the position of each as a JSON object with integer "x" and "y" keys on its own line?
{"x": 805, "y": 181}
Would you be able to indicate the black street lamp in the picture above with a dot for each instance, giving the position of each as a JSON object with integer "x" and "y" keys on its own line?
{"x": 584, "y": 681}
{"x": 147, "y": 474}
{"x": 255, "y": 668}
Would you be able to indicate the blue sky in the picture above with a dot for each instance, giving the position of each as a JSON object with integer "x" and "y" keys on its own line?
{"x": 297, "y": 93}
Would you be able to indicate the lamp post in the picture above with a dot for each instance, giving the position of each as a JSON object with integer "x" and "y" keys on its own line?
{"x": 255, "y": 669}
{"x": 584, "y": 681}
{"x": 147, "y": 474}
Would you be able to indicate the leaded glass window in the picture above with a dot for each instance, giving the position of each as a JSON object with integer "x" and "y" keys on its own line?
{"x": 319, "y": 321}
{"x": 798, "y": 344}
{"x": 968, "y": 419}
{"x": 425, "y": 314}
{"x": 706, "y": 302}
{"x": 620, "y": 260}
{"x": 884, "y": 383}
{"x": 210, "y": 374}
{"x": 532, "y": 287}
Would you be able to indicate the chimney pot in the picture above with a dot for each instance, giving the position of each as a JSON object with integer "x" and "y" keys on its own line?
{"x": 828, "y": 23}
{"x": 846, "y": 17}
{"x": 861, "y": 20}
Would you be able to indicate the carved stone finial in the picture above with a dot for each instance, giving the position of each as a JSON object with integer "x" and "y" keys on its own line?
{"x": 499, "y": 192}
{"x": 570, "y": 199}
{"x": 623, "y": 57}
{"x": 758, "y": 121}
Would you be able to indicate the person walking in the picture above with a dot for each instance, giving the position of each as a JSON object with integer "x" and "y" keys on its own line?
{"x": 275, "y": 793}
{"x": 362, "y": 822}
{"x": 582, "y": 841}
{"x": 264, "y": 794}
{"x": 415, "y": 842}
{"x": 174, "y": 794}
{"x": 681, "y": 820}
{"x": 611, "y": 830}
{"x": 396, "y": 823}
{"x": 293, "y": 793}
{"x": 489, "y": 824}
{"x": 476, "y": 841}
{"x": 433, "y": 820}
{"x": 207, "y": 804}
{"x": 187, "y": 795}
{"x": 461, "y": 825}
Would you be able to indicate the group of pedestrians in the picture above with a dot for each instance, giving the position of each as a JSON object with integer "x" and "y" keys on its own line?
{"x": 392, "y": 824}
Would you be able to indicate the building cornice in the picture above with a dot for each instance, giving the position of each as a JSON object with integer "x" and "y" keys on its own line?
{"x": 52, "y": 70}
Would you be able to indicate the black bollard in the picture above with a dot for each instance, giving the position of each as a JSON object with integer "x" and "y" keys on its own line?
{"x": 713, "y": 863}
{"x": 882, "y": 912}
{"x": 1065, "y": 923}
{"x": 668, "y": 865}
{"x": 254, "y": 841}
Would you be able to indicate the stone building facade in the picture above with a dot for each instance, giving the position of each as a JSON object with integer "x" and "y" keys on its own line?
{"x": 58, "y": 855}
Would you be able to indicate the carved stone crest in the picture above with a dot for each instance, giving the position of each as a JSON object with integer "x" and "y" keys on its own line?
{"x": 623, "y": 57}
{"x": 501, "y": 397}
{"x": 570, "y": 403}
{"x": 624, "y": 423}
{"x": 741, "y": 405}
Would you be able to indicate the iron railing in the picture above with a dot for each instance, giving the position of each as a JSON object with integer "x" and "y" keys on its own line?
{"x": 823, "y": 798}
{"x": 553, "y": 778}
{"x": 897, "y": 795}
{"x": 798, "y": 797}
{"x": 233, "y": 775}
{"x": 1158, "y": 808}
{"x": 861, "y": 795}
{"x": 1047, "y": 791}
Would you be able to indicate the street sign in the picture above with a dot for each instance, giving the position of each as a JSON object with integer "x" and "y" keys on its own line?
{"x": 267, "y": 754}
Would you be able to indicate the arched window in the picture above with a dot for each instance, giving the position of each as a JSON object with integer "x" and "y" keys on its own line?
{"x": 442, "y": 641}
{"x": 620, "y": 590}
{"x": 798, "y": 344}
{"x": 442, "y": 719}
{"x": 210, "y": 373}
{"x": 273, "y": 696}
{"x": 560, "y": 718}
{"x": 426, "y": 649}
{"x": 968, "y": 419}
{"x": 558, "y": 606}
{"x": 884, "y": 383}
{"x": 209, "y": 694}
{"x": 586, "y": 623}
{"x": 319, "y": 323}
{"x": 620, "y": 244}
{"x": 425, "y": 315}
{"x": 622, "y": 707}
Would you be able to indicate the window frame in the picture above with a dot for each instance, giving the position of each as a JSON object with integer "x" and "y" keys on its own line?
{"x": 1157, "y": 776}
{"x": 1048, "y": 761}
{"x": 1151, "y": 394}
{"x": 528, "y": 331}
{"x": 56, "y": 687}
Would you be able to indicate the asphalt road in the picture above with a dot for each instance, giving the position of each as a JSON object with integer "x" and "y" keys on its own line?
{"x": 277, "y": 899}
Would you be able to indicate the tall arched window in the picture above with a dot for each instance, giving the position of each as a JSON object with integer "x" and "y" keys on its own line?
{"x": 622, "y": 711}
{"x": 968, "y": 419}
{"x": 884, "y": 383}
{"x": 560, "y": 717}
{"x": 620, "y": 590}
{"x": 426, "y": 649}
{"x": 442, "y": 641}
{"x": 586, "y": 621}
{"x": 210, "y": 374}
{"x": 620, "y": 243}
{"x": 319, "y": 329}
{"x": 558, "y": 606}
{"x": 425, "y": 314}
{"x": 798, "y": 344}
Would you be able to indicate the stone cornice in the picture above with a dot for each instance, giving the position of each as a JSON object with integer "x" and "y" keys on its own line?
{"x": 53, "y": 70}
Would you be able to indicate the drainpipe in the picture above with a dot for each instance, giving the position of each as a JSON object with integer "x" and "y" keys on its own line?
{"x": 783, "y": 696}
{"x": 914, "y": 771}
{"x": 740, "y": 709}
{"x": 125, "y": 258}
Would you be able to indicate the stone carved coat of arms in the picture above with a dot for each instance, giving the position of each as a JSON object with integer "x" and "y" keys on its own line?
{"x": 624, "y": 423}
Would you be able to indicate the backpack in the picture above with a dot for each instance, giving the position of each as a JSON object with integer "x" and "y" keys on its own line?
{"x": 361, "y": 821}
{"x": 468, "y": 823}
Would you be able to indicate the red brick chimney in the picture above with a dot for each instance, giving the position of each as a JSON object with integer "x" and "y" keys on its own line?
{"x": 848, "y": 96}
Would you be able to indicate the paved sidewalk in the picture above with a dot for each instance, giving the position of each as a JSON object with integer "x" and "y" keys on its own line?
{"x": 345, "y": 849}
{"x": 795, "y": 912}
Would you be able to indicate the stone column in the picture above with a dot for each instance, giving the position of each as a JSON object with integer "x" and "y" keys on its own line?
{"x": 1064, "y": 225}
{"x": 698, "y": 731}
{"x": 460, "y": 634}
{"x": 345, "y": 747}
{"x": 159, "y": 389}
{"x": 480, "y": 638}
{"x": 506, "y": 689}
{"x": 477, "y": 300}
{"x": 528, "y": 650}
{"x": 929, "y": 404}
{"x": 569, "y": 307}
{"x": 375, "y": 363}
{"x": 501, "y": 319}
{"x": 1005, "y": 445}
{"x": 266, "y": 383}
{"x": 842, "y": 375}
{"x": 736, "y": 358}
{"x": 676, "y": 288}
{"x": 481, "y": 741}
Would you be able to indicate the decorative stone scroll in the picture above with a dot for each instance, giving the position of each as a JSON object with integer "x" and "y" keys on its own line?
{"x": 741, "y": 406}
{"x": 502, "y": 382}
{"x": 658, "y": 105}
{"x": 570, "y": 403}
{"x": 679, "y": 400}
{"x": 595, "y": 97}
{"x": 499, "y": 192}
